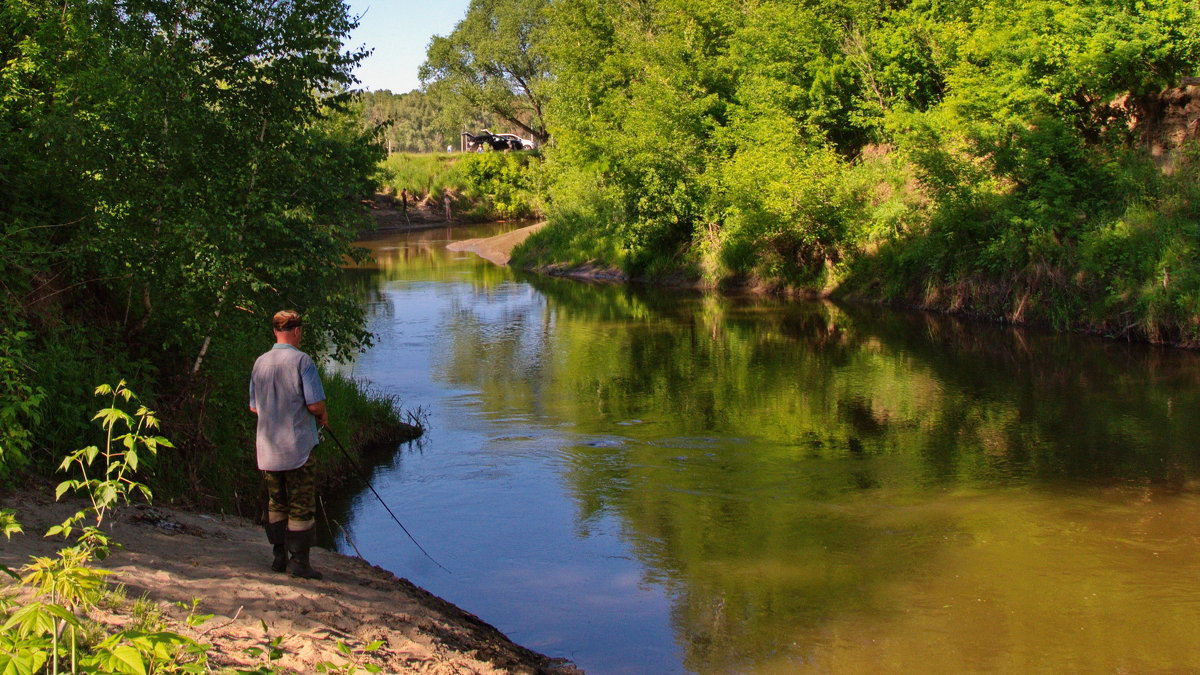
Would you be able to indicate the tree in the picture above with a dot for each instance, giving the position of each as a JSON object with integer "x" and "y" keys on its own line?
{"x": 173, "y": 172}
{"x": 492, "y": 64}
{"x": 415, "y": 121}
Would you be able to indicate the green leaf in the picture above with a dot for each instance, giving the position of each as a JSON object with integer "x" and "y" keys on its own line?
{"x": 38, "y": 618}
{"x": 199, "y": 619}
{"x": 106, "y": 494}
{"x": 110, "y": 416}
{"x": 8, "y": 523}
{"x": 22, "y": 661}
{"x": 126, "y": 659}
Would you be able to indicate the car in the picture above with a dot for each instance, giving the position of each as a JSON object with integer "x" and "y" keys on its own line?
{"x": 516, "y": 142}
{"x": 497, "y": 141}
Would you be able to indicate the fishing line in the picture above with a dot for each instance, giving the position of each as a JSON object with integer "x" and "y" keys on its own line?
{"x": 362, "y": 474}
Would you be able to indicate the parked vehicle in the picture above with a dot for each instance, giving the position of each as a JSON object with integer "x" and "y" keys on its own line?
{"x": 476, "y": 143}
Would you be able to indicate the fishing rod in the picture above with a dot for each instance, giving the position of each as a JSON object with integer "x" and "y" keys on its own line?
{"x": 362, "y": 474}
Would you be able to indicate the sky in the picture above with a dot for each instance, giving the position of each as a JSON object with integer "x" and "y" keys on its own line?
{"x": 399, "y": 31}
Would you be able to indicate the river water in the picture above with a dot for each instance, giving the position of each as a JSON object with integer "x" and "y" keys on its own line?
{"x": 653, "y": 481}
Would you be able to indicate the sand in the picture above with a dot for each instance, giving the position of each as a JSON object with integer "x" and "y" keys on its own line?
{"x": 173, "y": 556}
{"x": 496, "y": 249}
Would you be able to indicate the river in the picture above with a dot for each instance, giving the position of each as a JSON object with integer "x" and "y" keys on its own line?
{"x": 652, "y": 481}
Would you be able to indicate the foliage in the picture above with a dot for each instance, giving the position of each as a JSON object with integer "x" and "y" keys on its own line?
{"x": 420, "y": 174}
{"x": 492, "y": 64}
{"x": 485, "y": 186}
{"x": 967, "y": 156}
{"x": 409, "y": 122}
{"x": 19, "y": 403}
{"x": 353, "y": 657}
{"x": 32, "y": 635}
{"x": 501, "y": 185}
{"x": 173, "y": 173}
{"x": 421, "y": 121}
{"x": 111, "y": 485}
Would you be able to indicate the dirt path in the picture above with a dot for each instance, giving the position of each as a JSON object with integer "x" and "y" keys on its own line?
{"x": 174, "y": 557}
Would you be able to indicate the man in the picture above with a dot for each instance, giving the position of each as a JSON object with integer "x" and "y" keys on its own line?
{"x": 287, "y": 396}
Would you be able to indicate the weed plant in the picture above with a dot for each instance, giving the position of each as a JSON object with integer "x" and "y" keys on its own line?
{"x": 52, "y": 633}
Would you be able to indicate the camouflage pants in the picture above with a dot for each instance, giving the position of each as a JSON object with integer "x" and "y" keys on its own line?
{"x": 292, "y": 495}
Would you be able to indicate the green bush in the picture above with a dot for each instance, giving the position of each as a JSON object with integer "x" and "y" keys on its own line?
{"x": 483, "y": 186}
{"x": 20, "y": 403}
{"x": 50, "y": 632}
{"x": 422, "y": 174}
{"x": 583, "y": 209}
{"x": 501, "y": 185}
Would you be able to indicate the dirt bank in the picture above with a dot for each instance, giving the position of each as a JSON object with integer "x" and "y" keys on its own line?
{"x": 391, "y": 214}
{"x": 173, "y": 557}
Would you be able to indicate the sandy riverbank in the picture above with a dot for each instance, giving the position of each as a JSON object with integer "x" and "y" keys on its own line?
{"x": 172, "y": 556}
{"x": 497, "y": 249}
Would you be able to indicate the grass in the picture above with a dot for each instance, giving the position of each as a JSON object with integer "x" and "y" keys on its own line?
{"x": 366, "y": 421}
{"x": 146, "y": 615}
{"x": 422, "y": 174}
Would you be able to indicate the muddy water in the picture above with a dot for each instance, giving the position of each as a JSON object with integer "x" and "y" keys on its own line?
{"x": 651, "y": 481}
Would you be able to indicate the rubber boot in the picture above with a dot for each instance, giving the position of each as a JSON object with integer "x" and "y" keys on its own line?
{"x": 298, "y": 544}
{"x": 277, "y": 535}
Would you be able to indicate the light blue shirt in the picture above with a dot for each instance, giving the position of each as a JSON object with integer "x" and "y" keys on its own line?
{"x": 283, "y": 384}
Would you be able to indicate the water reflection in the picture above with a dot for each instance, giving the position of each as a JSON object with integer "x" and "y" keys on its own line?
{"x": 799, "y": 484}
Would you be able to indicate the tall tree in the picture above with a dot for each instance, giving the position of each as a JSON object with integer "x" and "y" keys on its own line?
{"x": 416, "y": 121}
{"x": 222, "y": 115}
{"x": 172, "y": 171}
{"x": 492, "y": 64}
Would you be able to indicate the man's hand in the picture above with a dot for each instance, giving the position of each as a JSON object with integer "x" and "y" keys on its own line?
{"x": 318, "y": 411}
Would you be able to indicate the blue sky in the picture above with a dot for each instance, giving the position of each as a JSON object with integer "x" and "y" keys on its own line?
{"x": 399, "y": 31}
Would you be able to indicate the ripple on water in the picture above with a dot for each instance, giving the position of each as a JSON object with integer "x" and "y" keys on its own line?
{"x": 696, "y": 442}
{"x": 604, "y": 442}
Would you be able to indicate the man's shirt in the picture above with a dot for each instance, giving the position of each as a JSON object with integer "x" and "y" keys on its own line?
{"x": 283, "y": 384}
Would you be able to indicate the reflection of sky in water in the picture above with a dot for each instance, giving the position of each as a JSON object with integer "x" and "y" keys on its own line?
{"x": 655, "y": 485}
{"x": 483, "y": 492}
